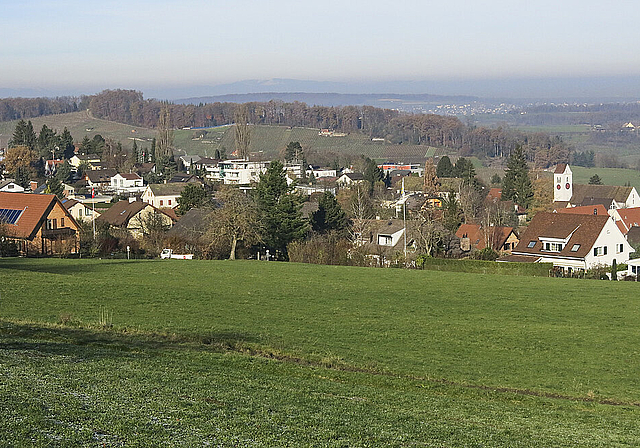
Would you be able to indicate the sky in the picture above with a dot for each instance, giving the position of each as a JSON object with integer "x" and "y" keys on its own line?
{"x": 70, "y": 45}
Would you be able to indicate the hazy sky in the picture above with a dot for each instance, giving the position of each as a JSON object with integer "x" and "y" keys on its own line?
{"x": 150, "y": 43}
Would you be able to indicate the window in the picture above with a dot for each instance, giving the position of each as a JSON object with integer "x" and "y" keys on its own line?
{"x": 597, "y": 251}
{"x": 80, "y": 213}
{"x": 633, "y": 269}
{"x": 575, "y": 248}
{"x": 507, "y": 246}
{"x": 620, "y": 248}
{"x": 385, "y": 240}
{"x": 61, "y": 222}
{"x": 531, "y": 244}
{"x": 161, "y": 202}
{"x": 553, "y": 247}
{"x": 169, "y": 201}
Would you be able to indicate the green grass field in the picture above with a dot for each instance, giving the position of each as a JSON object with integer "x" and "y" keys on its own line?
{"x": 266, "y": 141}
{"x": 609, "y": 176}
{"x": 262, "y": 354}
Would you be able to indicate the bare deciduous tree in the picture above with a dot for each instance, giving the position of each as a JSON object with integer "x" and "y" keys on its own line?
{"x": 238, "y": 220}
{"x": 242, "y": 133}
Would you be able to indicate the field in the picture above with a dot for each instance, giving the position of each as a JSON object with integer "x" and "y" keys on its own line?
{"x": 266, "y": 141}
{"x": 247, "y": 353}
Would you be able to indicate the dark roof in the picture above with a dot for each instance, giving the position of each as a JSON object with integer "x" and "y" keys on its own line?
{"x": 68, "y": 203}
{"x": 633, "y": 235}
{"x": 168, "y": 189}
{"x": 97, "y": 176}
{"x": 121, "y": 212}
{"x": 599, "y": 194}
{"x": 354, "y": 176}
{"x": 185, "y": 178}
{"x": 580, "y": 229}
{"x": 192, "y": 225}
{"x": 129, "y": 176}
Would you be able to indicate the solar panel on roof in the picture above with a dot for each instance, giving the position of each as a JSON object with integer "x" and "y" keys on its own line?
{"x": 10, "y": 216}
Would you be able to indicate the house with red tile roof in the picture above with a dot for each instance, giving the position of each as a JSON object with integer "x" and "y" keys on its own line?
{"x": 38, "y": 223}
{"x": 572, "y": 242}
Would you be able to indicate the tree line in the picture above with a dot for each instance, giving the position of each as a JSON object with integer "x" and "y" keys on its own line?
{"x": 130, "y": 107}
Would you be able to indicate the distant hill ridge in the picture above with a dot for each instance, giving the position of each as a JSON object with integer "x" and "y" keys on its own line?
{"x": 330, "y": 99}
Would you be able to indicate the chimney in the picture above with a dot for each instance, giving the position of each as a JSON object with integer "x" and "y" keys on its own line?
{"x": 34, "y": 185}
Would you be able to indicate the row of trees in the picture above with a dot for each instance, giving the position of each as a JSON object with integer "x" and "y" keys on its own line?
{"x": 421, "y": 129}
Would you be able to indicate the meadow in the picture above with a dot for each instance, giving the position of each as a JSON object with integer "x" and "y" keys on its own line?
{"x": 261, "y": 354}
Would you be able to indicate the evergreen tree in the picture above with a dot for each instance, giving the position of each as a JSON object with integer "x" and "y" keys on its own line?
{"x": 63, "y": 171}
{"x": 464, "y": 169}
{"x": 192, "y": 196}
{"x": 23, "y": 135}
{"x": 86, "y": 146}
{"x": 444, "y": 168}
{"x": 21, "y": 176}
{"x": 54, "y": 186}
{"x": 516, "y": 185}
{"x": 595, "y": 180}
{"x": 280, "y": 210}
{"x": 47, "y": 143}
{"x": 372, "y": 173}
{"x": 329, "y": 216}
{"x": 293, "y": 152}
{"x": 451, "y": 212}
{"x": 495, "y": 179}
{"x": 66, "y": 144}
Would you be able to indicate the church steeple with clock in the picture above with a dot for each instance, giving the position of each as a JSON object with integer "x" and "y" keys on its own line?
{"x": 563, "y": 183}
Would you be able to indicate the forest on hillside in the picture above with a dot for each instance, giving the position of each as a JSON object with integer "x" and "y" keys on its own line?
{"x": 130, "y": 107}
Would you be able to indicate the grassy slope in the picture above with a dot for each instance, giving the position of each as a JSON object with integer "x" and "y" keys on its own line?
{"x": 78, "y": 123}
{"x": 550, "y": 336}
{"x": 269, "y": 140}
{"x": 609, "y": 176}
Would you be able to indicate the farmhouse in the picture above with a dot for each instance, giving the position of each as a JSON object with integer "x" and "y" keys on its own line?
{"x": 566, "y": 194}
{"x": 572, "y": 242}
{"x": 38, "y": 223}
{"x": 163, "y": 195}
{"x": 134, "y": 216}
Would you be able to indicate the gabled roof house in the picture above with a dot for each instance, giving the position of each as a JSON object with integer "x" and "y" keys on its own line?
{"x": 572, "y": 241}
{"x": 38, "y": 223}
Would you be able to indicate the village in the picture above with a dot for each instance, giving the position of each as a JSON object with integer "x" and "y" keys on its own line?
{"x": 395, "y": 212}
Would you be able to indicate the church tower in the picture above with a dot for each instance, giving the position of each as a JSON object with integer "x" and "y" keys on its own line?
{"x": 563, "y": 183}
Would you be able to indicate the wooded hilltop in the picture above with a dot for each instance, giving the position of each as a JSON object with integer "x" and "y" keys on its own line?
{"x": 130, "y": 107}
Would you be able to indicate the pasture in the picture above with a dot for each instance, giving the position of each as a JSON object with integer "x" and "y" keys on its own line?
{"x": 262, "y": 354}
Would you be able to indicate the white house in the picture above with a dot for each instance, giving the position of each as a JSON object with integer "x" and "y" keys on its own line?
{"x": 319, "y": 172}
{"x": 163, "y": 195}
{"x": 127, "y": 183}
{"x": 568, "y": 194}
{"x": 10, "y": 186}
{"x": 572, "y": 242}
{"x": 348, "y": 179}
{"x": 80, "y": 210}
{"x": 238, "y": 171}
